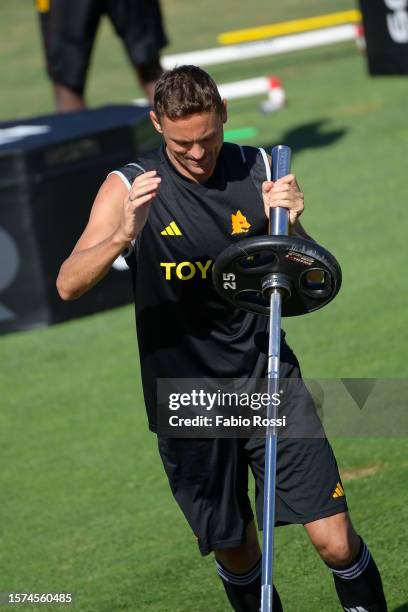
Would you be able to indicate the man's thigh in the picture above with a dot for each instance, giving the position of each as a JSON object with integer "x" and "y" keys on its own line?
{"x": 209, "y": 480}
{"x": 308, "y": 483}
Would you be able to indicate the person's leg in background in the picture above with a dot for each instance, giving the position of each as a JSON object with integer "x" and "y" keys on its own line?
{"x": 139, "y": 24}
{"x": 68, "y": 30}
{"x": 147, "y": 75}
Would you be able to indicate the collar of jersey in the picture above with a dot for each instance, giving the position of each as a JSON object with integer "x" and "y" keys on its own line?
{"x": 192, "y": 184}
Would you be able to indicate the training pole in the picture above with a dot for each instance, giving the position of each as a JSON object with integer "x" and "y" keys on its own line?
{"x": 278, "y": 225}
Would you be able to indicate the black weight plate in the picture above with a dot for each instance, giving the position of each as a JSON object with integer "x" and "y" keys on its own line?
{"x": 314, "y": 273}
{"x": 258, "y": 264}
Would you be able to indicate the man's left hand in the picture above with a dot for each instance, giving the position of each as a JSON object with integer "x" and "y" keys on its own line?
{"x": 285, "y": 193}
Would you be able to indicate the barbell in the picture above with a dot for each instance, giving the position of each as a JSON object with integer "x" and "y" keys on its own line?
{"x": 276, "y": 275}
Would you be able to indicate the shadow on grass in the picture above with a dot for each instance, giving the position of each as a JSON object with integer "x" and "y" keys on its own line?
{"x": 403, "y": 608}
{"x": 308, "y": 136}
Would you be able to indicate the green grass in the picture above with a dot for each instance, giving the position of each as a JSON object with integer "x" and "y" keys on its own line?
{"x": 85, "y": 503}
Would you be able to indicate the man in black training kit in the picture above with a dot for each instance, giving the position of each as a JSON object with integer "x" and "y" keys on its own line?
{"x": 174, "y": 211}
{"x": 69, "y": 27}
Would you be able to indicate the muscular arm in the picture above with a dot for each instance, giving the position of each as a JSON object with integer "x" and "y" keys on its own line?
{"x": 117, "y": 217}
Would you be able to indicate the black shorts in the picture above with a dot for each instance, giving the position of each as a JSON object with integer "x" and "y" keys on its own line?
{"x": 69, "y": 28}
{"x": 209, "y": 477}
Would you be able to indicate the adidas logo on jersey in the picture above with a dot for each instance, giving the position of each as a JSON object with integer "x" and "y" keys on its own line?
{"x": 171, "y": 230}
{"x": 338, "y": 491}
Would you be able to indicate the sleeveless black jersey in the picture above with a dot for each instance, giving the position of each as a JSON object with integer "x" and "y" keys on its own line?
{"x": 184, "y": 329}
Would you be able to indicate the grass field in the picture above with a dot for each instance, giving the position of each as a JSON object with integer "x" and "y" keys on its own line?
{"x": 85, "y": 504}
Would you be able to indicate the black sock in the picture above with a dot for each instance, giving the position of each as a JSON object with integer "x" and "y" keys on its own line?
{"x": 359, "y": 585}
{"x": 244, "y": 590}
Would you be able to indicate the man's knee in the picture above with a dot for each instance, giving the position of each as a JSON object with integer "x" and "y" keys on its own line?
{"x": 337, "y": 552}
{"x": 334, "y": 539}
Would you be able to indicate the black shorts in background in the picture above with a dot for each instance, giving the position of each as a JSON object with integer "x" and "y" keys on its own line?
{"x": 69, "y": 28}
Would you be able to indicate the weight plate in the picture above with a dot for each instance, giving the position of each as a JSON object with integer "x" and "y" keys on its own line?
{"x": 314, "y": 274}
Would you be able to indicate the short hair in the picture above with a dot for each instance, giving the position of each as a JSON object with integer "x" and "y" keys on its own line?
{"x": 186, "y": 90}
